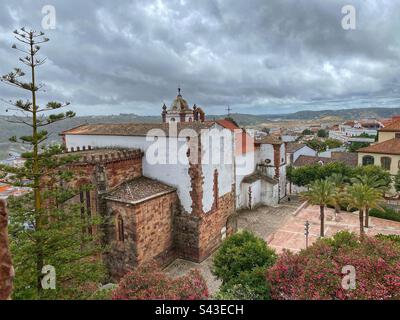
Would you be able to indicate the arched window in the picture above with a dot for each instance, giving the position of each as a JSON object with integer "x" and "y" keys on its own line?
{"x": 190, "y": 119}
{"x": 386, "y": 162}
{"x": 367, "y": 160}
{"x": 120, "y": 229}
{"x": 172, "y": 120}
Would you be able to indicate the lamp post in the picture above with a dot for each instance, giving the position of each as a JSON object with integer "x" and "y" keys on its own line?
{"x": 306, "y": 231}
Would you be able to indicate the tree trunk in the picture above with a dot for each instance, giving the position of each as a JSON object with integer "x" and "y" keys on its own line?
{"x": 361, "y": 217}
{"x": 367, "y": 217}
{"x": 322, "y": 217}
{"x": 6, "y": 268}
{"x": 36, "y": 176}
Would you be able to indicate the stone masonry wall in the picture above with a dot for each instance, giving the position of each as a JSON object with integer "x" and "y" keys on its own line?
{"x": 119, "y": 171}
{"x": 6, "y": 268}
{"x": 154, "y": 229}
{"x": 198, "y": 234}
{"x": 121, "y": 256}
{"x": 216, "y": 225}
{"x": 148, "y": 233}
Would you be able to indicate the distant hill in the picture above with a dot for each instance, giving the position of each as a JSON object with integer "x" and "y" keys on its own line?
{"x": 8, "y": 129}
{"x": 343, "y": 113}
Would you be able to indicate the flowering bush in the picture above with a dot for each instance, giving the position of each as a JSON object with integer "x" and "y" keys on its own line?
{"x": 316, "y": 273}
{"x": 149, "y": 283}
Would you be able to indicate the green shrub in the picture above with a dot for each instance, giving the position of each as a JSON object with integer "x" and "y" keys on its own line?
{"x": 342, "y": 239}
{"x": 388, "y": 213}
{"x": 253, "y": 281}
{"x": 390, "y": 237}
{"x": 241, "y": 252}
{"x": 236, "y": 292}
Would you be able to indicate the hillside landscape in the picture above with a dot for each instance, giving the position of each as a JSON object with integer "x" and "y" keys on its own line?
{"x": 8, "y": 129}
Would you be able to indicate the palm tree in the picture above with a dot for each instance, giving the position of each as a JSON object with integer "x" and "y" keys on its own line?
{"x": 375, "y": 182}
{"x": 362, "y": 197}
{"x": 339, "y": 180}
{"x": 321, "y": 193}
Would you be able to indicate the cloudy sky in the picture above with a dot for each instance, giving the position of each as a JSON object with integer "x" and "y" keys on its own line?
{"x": 258, "y": 56}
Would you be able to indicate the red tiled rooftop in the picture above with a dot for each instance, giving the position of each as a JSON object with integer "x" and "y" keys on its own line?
{"x": 348, "y": 158}
{"x": 270, "y": 139}
{"x": 133, "y": 129}
{"x": 394, "y": 126}
{"x": 243, "y": 142}
{"x": 294, "y": 146}
{"x": 386, "y": 147}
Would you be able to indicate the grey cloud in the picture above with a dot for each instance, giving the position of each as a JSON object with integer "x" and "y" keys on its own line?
{"x": 257, "y": 56}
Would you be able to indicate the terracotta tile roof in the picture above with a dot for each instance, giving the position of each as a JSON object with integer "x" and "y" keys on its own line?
{"x": 349, "y": 158}
{"x": 139, "y": 190}
{"x": 292, "y": 147}
{"x": 258, "y": 176}
{"x": 391, "y": 146}
{"x": 269, "y": 140}
{"x": 243, "y": 142}
{"x": 133, "y": 129}
{"x": 307, "y": 160}
{"x": 227, "y": 124}
{"x": 394, "y": 126}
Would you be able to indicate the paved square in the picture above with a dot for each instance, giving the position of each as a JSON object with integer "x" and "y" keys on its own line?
{"x": 290, "y": 235}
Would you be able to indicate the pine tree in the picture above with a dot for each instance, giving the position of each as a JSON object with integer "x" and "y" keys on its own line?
{"x": 45, "y": 228}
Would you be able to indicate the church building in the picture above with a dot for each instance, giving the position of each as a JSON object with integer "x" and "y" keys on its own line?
{"x": 160, "y": 209}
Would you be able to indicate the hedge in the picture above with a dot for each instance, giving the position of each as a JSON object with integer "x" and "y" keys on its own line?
{"x": 388, "y": 214}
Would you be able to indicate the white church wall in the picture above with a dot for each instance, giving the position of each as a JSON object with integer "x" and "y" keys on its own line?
{"x": 269, "y": 193}
{"x": 172, "y": 174}
{"x": 217, "y": 154}
{"x": 266, "y": 151}
{"x": 256, "y": 194}
{"x": 245, "y": 165}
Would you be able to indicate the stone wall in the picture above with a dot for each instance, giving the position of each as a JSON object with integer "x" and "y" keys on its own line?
{"x": 6, "y": 268}
{"x": 148, "y": 233}
{"x": 197, "y": 236}
{"x": 216, "y": 225}
{"x": 119, "y": 171}
{"x": 154, "y": 228}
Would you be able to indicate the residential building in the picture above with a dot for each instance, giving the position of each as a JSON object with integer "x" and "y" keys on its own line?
{"x": 295, "y": 150}
{"x": 386, "y": 152}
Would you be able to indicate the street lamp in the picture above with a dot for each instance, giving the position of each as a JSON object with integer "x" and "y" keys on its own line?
{"x": 306, "y": 231}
